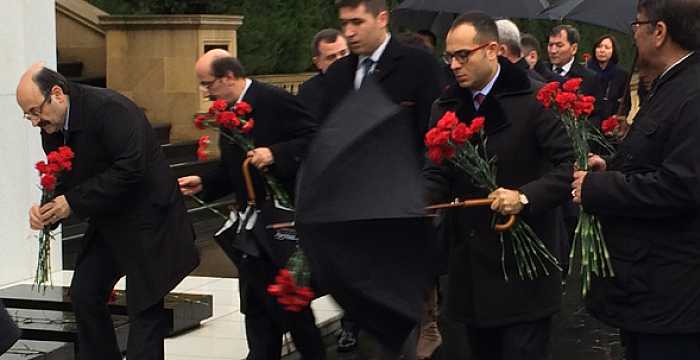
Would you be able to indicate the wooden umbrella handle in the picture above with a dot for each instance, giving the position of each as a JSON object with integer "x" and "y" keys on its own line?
{"x": 474, "y": 203}
{"x": 248, "y": 181}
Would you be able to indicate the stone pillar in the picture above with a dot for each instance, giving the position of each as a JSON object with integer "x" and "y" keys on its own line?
{"x": 150, "y": 59}
{"x": 27, "y": 35}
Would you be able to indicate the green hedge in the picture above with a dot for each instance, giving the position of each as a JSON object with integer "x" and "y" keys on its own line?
{"x": 276, "y": 34}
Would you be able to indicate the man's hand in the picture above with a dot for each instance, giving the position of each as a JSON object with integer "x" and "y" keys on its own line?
{"x": 506, "y": 202}
{"x": 579, "y": 176}
{"x": 50, "y": 213}
{"x": 261, "y": 157}
{"x": 596, "y": 163}
{"x": 190, "y": 185}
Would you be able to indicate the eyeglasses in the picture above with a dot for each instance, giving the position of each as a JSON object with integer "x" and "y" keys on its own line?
{"x": 462, "y": 56}
{"x": 208, "y": 84}
{"x": 36, "y": 111}
{"x": 636, "y": 24}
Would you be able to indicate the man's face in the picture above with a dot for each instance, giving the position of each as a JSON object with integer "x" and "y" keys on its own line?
{"x": 214, "y": 88}
{"x": 364, "y": 31}
{"x": 560, "y": 50}
{"x": 43, "y": 111}
{"x": 531, "y": 57}
{"x": 645, "y": 39}
{"x": 330, "y": 52}
{"x": 473, "y": 71}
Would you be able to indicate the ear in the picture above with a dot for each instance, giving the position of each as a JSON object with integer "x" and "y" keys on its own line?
{"x": 660, "y": 34}
{"x": 383, "y": 19}
{"x": 493, "y": 50}
{"x": 57, "y": 92}
{"x": 502, "y": 50}
{"x": 574, "y": 48}
{"x": 314, "y": 60}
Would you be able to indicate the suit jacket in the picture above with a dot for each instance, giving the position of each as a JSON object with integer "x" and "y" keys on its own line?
{"x": 534, "y": 155}
{"x": 411, "y": 77}
{"x": 283, "y": 125}
{"x": 311, "y": 94}
{"x": 649, "y": 205}
{"x": 122, "y": 184}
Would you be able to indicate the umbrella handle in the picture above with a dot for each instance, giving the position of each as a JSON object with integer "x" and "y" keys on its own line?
{"x": 473, "y": 203}
{"x": 248, "y": 181}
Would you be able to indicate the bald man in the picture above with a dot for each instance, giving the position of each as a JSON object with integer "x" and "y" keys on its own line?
{"x": 283, "y": 129}
{"x": 122, "y": 185}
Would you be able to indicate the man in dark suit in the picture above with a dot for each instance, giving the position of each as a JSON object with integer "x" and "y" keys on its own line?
{"x": 505, "y": 320}
{"x": 562, "y": 48}
{"x": 647, "y": 197}
{"x": 409, "y": 77}
{"x": 121, "y": 183}
{"x": 328, "y": 46}
{"x": 283, "y": 129}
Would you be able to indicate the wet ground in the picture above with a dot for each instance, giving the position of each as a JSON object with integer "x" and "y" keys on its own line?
{"x": 576, "y": 336}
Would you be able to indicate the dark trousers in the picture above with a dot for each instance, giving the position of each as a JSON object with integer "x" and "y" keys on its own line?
{"x": 523, "y": 341}
{"x": 93, "y": 281}
{"x": 266, "y": 321}
{"x": 640, "y": 346}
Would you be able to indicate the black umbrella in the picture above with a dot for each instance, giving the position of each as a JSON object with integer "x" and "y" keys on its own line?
{"x": 615, "y": 15}
{"x": 361, "y": 218}
{"x": 248, "y": 231}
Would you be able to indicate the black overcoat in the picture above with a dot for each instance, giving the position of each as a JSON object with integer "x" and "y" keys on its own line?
{"x": 122, "y": 184}
{"x": 649, "y": 205}
{"x": 535, "y": 156}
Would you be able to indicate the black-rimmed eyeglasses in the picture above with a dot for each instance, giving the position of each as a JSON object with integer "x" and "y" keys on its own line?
{"x": 462, "y": 56}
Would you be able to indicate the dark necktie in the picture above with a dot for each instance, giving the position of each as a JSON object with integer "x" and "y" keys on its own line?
{"x": 479, "y": 99}
{"x": 366, "y": 69}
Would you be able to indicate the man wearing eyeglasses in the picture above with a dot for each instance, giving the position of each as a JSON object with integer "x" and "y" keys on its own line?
{"x": 328, "y": 46}
{"x": 505, "y": 320}
{"x": 283, "y": 129}
{"x": 137, "y": 222}
{"x": 647, "y": 196}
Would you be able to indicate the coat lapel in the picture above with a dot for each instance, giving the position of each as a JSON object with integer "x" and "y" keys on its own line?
{"x": 388, "y": 60}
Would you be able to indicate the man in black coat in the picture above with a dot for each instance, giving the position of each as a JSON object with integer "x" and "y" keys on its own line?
{"x": 505, "y": 320}
{"x": 121, "y": 183}
{"x": 283, "y": 129}
{"x": 410, "y": 78}
{"x": 647, "y": 197}
{"x": 328, "y": 46}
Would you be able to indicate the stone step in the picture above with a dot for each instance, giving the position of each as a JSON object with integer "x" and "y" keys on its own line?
{"x": 40, "y": 350}
{"x": 184, "y": 311}
{"x": 60, "y": 326}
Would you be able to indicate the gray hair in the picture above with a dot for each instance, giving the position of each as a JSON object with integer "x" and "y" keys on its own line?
{"x": 509, "y": 35}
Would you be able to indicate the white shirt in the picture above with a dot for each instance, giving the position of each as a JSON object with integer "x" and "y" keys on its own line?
{"x": 376, "y": 55}
{"x": 566, "y": 67}
{"x": 248, "y": 82}
{"x": 487, "y": 89}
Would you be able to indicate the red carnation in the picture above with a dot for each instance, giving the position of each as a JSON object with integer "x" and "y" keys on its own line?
{"x": 572, "y": 85}
{"x": 448, "y": 121}
{"x": 565, "y": 100}
{"x": 204, "y": 140}
{"x": 200, "y": 122}
{"x": 66, "y": 152}
{"x": 242, "y": 108}
{"x": 248, "y": 126}
{"x": 461, "y": 133}
{"x": 42, "y": 167}
{"x": 477, "y": 124}
{"x": 48, "y": 182}
{"x": 227, "y": 119}
{"x": 609, "y": 125}
{"x": 218, "y": 105}
{"x": 435, "y": 155}
{"x": 448, "y": 152}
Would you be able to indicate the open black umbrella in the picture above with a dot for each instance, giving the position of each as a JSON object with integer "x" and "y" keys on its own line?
{"x": 615, "y": 15}
{"x": 361, "y": 218}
